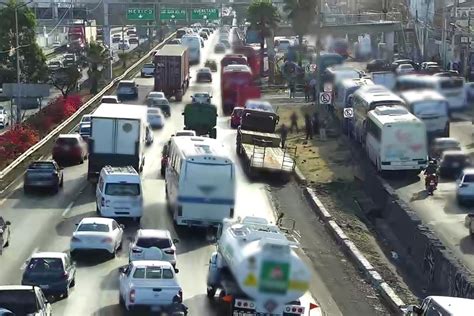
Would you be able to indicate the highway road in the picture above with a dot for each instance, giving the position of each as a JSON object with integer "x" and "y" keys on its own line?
{"x": 46, "y": 223}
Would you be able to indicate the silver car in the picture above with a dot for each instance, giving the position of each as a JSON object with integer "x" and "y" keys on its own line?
{"x": 153, "y": 244}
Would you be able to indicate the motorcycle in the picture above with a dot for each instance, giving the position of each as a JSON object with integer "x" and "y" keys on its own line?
{"x": 175, "y": 309}
{"x": 431, "y": 183}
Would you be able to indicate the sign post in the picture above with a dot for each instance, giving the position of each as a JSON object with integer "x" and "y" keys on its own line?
{"x": 141, "y": 14}
{"x": 325, "y": 98}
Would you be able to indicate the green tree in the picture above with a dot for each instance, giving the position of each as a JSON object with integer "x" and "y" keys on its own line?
{"x": 98, "y": 58}
{"x": 66, "y": 79}
{"x": 301, "y": 14}
{"x": 124, "y": 58}
{"x": 264, "y": 17}
{"x": 33, "y": 68}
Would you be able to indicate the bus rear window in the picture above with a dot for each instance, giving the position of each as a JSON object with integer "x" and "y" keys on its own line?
{"x": 452, "y": 83}
{"x": 373, "y": 105}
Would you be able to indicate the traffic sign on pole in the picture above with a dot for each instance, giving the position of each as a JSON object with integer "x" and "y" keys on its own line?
{"x": 325, "y": 98}
{"x": 173, "y": 14}
{"x": 141, "y": 14}
{"x": 205, "y": 14}
{"x": 348, "y": 112}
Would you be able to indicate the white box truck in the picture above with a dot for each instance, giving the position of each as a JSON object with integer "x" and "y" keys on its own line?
{"x": 117, "y": 138}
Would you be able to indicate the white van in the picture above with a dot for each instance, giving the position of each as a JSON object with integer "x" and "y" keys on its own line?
{"x": 200, "y": 181}
{"x": 119, "y": 193}
{"x": 430, "y": 107}
{"x": 442, "y": 306}
{"x": 395, "y": 139}
{"x": 193, "y": 43}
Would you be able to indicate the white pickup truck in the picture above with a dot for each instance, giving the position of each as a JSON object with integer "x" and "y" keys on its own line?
{"x": 148, "y": 284}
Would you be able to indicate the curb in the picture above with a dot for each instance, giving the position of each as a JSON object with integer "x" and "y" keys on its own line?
{"x": 357, "y": 258}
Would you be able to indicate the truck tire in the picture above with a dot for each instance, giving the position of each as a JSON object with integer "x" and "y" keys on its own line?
{"x": 179, "y": 96}
{"x": 213, "y": 133}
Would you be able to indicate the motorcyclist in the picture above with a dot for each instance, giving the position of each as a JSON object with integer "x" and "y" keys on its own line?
{"x": 431, "y": 170}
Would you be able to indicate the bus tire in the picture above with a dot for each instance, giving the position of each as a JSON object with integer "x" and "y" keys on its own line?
{"x": 211, "y": 292}
{"x": 179, "y": 96}
{"x": 213, "y": 133}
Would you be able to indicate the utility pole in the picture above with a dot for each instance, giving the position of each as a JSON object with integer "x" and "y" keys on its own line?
{"x": 318, "y": 52}
{"x": 444, "y": 37}
{"x": 18, "y": 70}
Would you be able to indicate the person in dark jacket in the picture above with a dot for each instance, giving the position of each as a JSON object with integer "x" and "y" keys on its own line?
{"x": 308, "y": 124}
{"x": 294, "y": 122}
{"x": 283, "y": 135}
{"x": 307, "y": 91}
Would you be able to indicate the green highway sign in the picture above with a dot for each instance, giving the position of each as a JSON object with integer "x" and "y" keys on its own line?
{"x": 142, "y": 14}
{"x": 173, "y": 14}
{"x": 205, "y": 14}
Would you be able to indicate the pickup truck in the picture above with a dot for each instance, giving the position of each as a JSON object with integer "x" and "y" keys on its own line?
{"x": 149, "y": 284}
{"x": 43, "y": 174}
{"x": 24, "y": 300}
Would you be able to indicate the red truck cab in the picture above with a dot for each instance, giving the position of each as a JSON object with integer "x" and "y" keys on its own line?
{"x": 233, "y": 59}
{"x": 253, "y": 58}
{"x": 237, "y": 87}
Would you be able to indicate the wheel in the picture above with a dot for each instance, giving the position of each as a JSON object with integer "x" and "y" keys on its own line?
{"x": 121, "y": 300}
{"x": 162, "y": 171}
{"x": 66, "y": 291}
{"x": 81, "y": 161}
{"x": 8, "y": 241}
{"x": 62, "y": 182}
{"x": 113, "y": 254}
{"x": 137, "y": 219}
{"x": 73, "y": 282}
{"x": 211, "y": 292}
{"x": 213, "y": 133}
{"x": 179, "y": 96}
{"x": 56, "y": 189}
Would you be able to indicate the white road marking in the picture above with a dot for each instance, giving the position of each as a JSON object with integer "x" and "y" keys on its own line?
{"x": 68, "y": 209}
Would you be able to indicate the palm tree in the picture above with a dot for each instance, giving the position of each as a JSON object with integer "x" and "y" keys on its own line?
{"x": 301, "y": 13}
{"x": 264, "y": 17}
{"x": 124, "y": 57}
{"x": 97, "y": 58}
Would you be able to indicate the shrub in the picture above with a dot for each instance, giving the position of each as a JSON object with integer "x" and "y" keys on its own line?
{"x": 15, "y": 142}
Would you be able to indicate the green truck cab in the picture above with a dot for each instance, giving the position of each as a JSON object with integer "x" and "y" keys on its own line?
{"x": 201, "y": 118}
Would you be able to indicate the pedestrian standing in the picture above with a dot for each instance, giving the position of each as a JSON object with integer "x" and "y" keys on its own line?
{"x": 292, "y": 89}
{"x": 322, "y": 130}
{"x": 308, "y": 126}
{"x": 312, "y": 85}
{"x": 283, "y": 135}
{"x": 315, "y": 121}
{"x": 294, "y": 122}
{"x": 307, "y": 91}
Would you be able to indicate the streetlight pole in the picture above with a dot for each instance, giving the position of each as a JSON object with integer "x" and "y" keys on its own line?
{"x": 18, "y": 70}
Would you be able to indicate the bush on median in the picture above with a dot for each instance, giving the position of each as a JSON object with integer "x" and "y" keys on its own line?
{"x": 21, "y": 137}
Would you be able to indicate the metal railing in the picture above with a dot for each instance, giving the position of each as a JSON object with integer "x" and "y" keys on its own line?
{"x": 65, "y": 126}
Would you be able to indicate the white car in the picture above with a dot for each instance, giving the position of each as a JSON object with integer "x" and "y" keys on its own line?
{"x": 86, "y": 119}
{"x": 151, "y": 284}
{"x": 148, "y": 70}
{"x": 124, "y": 45}
{"x": 155, "y": 95}
{"x": 153, "y": 244}
{"x": 110, "y": 99}
{"x": 156, "y": 119}
{"x": 4, "y": 117}
{"x": 465, "y": 186}
{"x": 404, "y": 69}
{"x": 201, "y": 97}
{"x": 97, "y": 233}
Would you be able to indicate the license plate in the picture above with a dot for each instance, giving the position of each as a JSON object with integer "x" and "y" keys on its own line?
{"x": 432, "y": 183}
{"x": 155, "y": 308}
{"x": 455, "y": 164}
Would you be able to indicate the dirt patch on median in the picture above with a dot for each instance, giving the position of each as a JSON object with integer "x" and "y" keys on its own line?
{"x": 331, "y": 168}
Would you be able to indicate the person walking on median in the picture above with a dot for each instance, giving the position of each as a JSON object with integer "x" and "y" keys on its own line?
{"x": 292, "y": 88}
{"x": 312, "y": 85}
{"x": 308, "y": 126}
{"x": 283, "y": 135}
{"x": 294, "y": 122}
{"x": 307, "y": 91}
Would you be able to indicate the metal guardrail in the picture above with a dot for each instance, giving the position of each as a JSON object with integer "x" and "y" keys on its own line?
{"x": 64, "y": 125}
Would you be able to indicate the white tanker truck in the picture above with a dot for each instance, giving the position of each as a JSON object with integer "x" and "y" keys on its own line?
{"x": 256, "y": 270}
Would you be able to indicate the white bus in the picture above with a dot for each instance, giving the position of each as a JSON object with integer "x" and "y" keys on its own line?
{"x": 396, "y": 139}
{"x": 366, "y": 99}
{"x": 430, "y": 107}
{"x": 452, "y": 88}
{"x": 193, "y": 43}
{"x": 200, "y": 181}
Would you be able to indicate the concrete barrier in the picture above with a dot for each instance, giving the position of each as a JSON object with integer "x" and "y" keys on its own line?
{"x": 435, "y": 269}
{"x": 17, "y": 167}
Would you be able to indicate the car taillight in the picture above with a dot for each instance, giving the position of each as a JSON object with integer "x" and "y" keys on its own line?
{"x": 107, "y": 240}
{"x": 75, "y": 239}
{"x": 137, "y": 250}
{"x": 132, "y": 296}
{"x": 169, "y": 251}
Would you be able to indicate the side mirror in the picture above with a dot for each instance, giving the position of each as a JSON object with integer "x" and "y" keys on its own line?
{"x": 176, "y": 241}
{"x": 8, "y": 223}
{"x": 176, "y": 270}
{"x": 122, "y": 226}
{"x": 182, "y": 113}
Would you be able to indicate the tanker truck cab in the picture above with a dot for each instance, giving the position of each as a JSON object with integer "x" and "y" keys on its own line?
{"x": 442, "y": 306}
{"x": 200, "y": 182}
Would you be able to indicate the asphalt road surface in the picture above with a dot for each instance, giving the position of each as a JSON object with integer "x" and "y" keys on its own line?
{"x": 45, "y": 223}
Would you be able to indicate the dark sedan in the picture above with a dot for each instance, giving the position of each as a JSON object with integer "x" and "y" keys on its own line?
{"x": 452, "y": 163}
{"x": 43, "y": 174}
{"x": 204, "y": 74}
{"x": 378, "y": 65}
{"x": 53, "y": 272}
